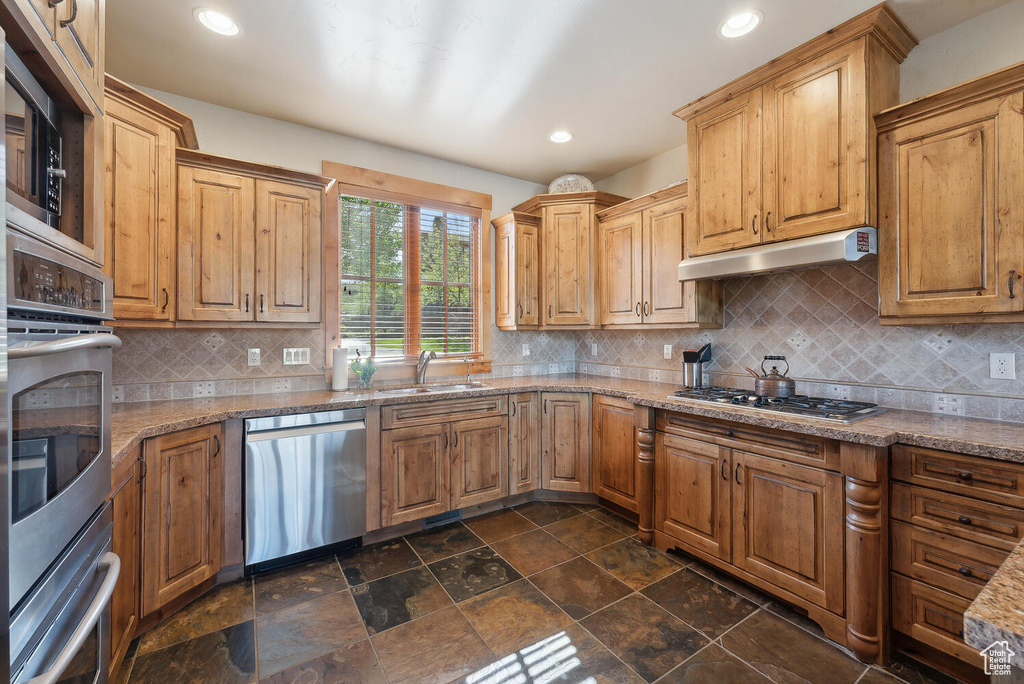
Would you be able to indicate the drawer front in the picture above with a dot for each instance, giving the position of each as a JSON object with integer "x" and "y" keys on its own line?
{"x": 931, "y": 616}
{"x": 977, "y": 521}
{"x": 956, "y": 565}
{"x": 981, "y": 478}
{"x": 433, "y": 412}
{"x": 789, "y": 446}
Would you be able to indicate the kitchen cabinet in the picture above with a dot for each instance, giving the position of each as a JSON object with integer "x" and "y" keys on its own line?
{"x": 641, "y": 243}
{"x": 249, "y": 241}
{"x": 614, "y": 463}
{"x": 517, "y": 271}
{"x": 479, "y": 461}
{"x": 182, "y": 513}
{"x": 524, "y": 442}
{"x": 415, "y": 473}
{"x": 80, "y": 37}
{"x": 124, "y": 603}
{"x": 951, "y": 205}
{"x": 565, "y": 441}
{"x": 142, "y": 136}
{"x": 788, "y": 150}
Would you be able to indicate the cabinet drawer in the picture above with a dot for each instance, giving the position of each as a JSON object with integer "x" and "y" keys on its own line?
{"x": 981, "y": 478}
{"x": 977, "y": 521}
{"x": 789, "y": 446}
{"x": 952, "y": 564}
{"x": 931, "y": 616}
{"x": 429, "y": 413}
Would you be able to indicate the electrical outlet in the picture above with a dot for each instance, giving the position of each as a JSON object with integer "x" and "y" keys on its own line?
{"x": 593, "y": 349}
{"x": 296, "y": 356}
{"x": 517, "y": 371}
{"x": 254, "y": 357}
{"x": 840, "y": 392}
{"x": 951, "y": 405}
{"x": 526, "y": 349}
{"x": 203, "y": 389}
{"x": 282, "y": 384}
{"x": 616, "y": 372}
{"x": 1002, "y": 366}
{"x": 653, "y": 375}
{"x": 553, "y": 369}
{"x": 117, "y": 397}
{"x": 668, "y": 351}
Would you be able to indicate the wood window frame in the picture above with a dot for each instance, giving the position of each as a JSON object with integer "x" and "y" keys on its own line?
{"x": 377, "y": 185}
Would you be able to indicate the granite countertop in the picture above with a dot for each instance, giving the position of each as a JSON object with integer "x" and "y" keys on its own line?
{"x": 998, "y": 612}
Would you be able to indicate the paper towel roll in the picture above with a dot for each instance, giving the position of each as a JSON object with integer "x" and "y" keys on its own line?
{"x": 339, "y": 379}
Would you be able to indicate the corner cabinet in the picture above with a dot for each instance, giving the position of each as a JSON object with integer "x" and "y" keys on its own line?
{"x": 640, "y": 245}
{"x": 250, "y": 241}
{"x": 951, "y": 200}
{"x": 517, "y": 271}
{"x": 788, "y": 150}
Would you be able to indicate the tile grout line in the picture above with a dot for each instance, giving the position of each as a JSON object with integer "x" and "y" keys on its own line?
{"x": 725, "y": 648}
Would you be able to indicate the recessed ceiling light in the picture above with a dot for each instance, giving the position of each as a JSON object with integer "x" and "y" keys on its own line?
{"x": 740, "y": 24}
{"x": 560, "y": 137}
{"x": 216, "y": 22}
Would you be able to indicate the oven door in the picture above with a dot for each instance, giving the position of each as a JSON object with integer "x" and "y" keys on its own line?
{"x": 59, "y": 398}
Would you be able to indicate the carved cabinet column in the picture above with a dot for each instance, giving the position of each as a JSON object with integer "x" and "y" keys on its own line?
{"x": 643, "y": 420}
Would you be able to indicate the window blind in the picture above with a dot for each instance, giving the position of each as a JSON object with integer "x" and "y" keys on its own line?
{"x": 408, "y": 276}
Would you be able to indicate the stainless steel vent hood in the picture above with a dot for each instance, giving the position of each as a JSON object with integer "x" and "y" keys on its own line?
{"x": 809, "y": 252}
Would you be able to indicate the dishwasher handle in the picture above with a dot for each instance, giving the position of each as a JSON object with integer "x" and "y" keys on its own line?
{"x": 304, "y": 431}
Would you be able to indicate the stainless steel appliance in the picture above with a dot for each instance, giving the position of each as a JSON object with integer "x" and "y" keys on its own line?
{"x": 305, "y": 484}
{"x": 838, "y": 410}
{"x": 5, "y": 605}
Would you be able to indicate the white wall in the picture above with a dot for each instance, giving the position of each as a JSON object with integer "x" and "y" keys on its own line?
{"x": 233, "y": 133}
{"x": 648, "y": 176}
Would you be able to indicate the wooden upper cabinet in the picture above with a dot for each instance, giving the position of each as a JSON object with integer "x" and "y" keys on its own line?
{"x": 951, "y": 193}
{"x": 288, "y": 252}
{"x": 622, "y": 269}
{"x": 80, "y": 36}
{"x": 565, "y": 441}
{"x": 517, "y": 271}
{"x": 479, "y": 461}
{"x": 415, "y": 473}
{"x": 614, "y": 464}
{"x": 725, "y": 176}
{"x": 217, "y": 240}
{"x": 664, "y": 246}
{"x": 183, "y": 504}
{"x": 47, "y": 15}
{"x": 524, "y": 442}
{"x": 568, "y": 249}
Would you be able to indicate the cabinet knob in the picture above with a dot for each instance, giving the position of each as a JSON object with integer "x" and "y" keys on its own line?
{"x": 964, "y": 520}
{"x": 964, "y": 477}
{"x": 966, "y": 572}
{"x": 729, "y": 433}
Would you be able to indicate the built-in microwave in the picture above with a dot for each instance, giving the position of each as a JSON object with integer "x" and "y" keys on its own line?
{"x": 32, "y": 132}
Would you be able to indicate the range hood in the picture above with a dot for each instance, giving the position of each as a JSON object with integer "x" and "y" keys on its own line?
{"x": 790, "y": 255}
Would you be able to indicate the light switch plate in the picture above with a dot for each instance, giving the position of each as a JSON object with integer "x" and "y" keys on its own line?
{"x": 254, "y": 357}
{"x": 668, "y": 351}
{"x": 526, "y": 349}
{"x": 296, "y": 356}
{"x": 593, "y": 349}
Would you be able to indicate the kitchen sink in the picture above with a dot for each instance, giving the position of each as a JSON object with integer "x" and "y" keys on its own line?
{"x": 404, "y": 390}
{"x": 455, "y": 387}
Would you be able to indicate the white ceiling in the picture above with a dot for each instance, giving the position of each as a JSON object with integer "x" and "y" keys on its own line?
{"x": 478, "y": 82}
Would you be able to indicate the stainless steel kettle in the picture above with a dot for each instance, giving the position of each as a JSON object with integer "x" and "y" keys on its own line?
{"x": 773, "y": 383}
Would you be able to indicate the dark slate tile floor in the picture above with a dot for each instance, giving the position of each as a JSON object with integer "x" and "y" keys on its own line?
{"x": 551, "y": 592}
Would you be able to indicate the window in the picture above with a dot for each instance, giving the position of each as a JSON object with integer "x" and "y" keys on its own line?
{"x": 410, "y": 268}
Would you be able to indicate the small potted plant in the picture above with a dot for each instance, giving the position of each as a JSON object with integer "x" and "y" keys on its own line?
{"x": 364, "y": 369}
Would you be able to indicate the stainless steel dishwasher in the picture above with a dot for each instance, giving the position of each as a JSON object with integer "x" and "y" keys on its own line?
{"x": 305, "y": 484}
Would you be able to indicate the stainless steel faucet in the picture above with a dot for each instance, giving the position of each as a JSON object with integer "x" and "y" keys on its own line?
{"x": 426, "y": 356}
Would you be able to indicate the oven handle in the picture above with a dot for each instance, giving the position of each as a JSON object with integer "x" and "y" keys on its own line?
{"x": 112, "y": 564}
{"x": 91, "y": 341}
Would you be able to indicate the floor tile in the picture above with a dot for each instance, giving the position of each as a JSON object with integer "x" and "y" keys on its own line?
{"x": 472, "y": 573}
{"x": 699, "y": 602}
{"x": 380, "y": 560}
{"x": 732, "y": 584}
{"x": 499, "y": 525}
{"x": 915, "y": 672}
{"x": 125, "y": 672}
{"x": 394, "y": 600}
{"x": 788, "y": 654}
{"x": 794, "y": 616}
{"x": 355, "y": 664}
{"x": 615, "y": 522}
{"x": 434, "y": 649}
{"x": 714, "y": 664}
{"x": 441, "y": 542}
{"x": 223, "y": 606}
{"x": 295, "y": 635}
{"x": 534, "y": 551}
{"x": 633, "y": 563}
{"x": 583, "y": 533}
{"x": 644, "y": 636}
{"x": 579, "y": 587}
{"x": 513, "y": 617}
{"x": 544, "y": 513}
{"x": 876, "y": 676}
{"x": 226, "y": 656}
{"x": 297, "y": 584}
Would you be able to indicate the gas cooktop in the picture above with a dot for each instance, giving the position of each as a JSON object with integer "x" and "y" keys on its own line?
{"x": 838, "y": 410}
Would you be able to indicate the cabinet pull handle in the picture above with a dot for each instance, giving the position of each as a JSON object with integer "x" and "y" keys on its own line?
{"x": 145, "y": 468}
{"x": 53, "y": 3}
{"x": 167, "y": 299}
{"x": 456, "y": 444}
{"x": 1013, "y": 275}
{"x": 724, "y": 471}
{"x": 738, "y": 474}
{"x": 513, "y": 409}
{"x": 647, "y": 309}
{"x": 549, "y": 312}
{"x": 64, "y": 23}
{"x": 261, "y": 303}
{"x": 519, "y": 308}
{"x": 637, "y": 308}
{"x": 966, "y": 572}
{"x": 216, "y": 441}
{"x": 964, "y": 477}
{"x": 767, "y": 228}
{"x": 964, "y": 520}
{"x": 545, "y": 407}
{"x": 246, "y": 302}
{"x": 753, "y": 224}
{"x": 445, "y": 439}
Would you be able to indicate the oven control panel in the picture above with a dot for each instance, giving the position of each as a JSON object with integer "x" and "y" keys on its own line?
{"x": 41, "y": 281}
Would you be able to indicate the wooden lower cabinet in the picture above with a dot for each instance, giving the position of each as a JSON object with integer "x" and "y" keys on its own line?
{"x": 565, "y": 441}
{"x": 415, "y": 473}
{"x": 614, "y": 461}
{"x": 182, "y": 513}
{"x": 524, "y": 442}
{"x": 124, "y": 603}
{"x": 479, "y": 461}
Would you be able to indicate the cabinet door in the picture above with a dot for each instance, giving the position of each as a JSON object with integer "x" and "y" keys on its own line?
{"x": 666, "y": 300}
{"x": 951, "y": 207}
{"x": 415, "y": 473}
{"x": 693, "y": 490}
{"x": 527, "y": 275}
{"x": 139, "y": 190}
{"x": 182, "y": 513}
{"x": 815, "y": 133}
{"x": 288, "y": 252}
{"x": 524, "y": 443}
{"x": 615, "y": 467}
{"x": 788, "y": 527}
{"x": 80, "y": 37}
{"x": 216, "y": 245}
{"x": 124, "y": 603}
{"x": 565, "y": 440}
{"x": 621, "y": 275}
{"x": 505, "y": 276}
{"x": 725, "y": 176}
{"x": 47, "y": 15}
{"x": 479, "y": 461}
{"x": 567, "y": 253}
